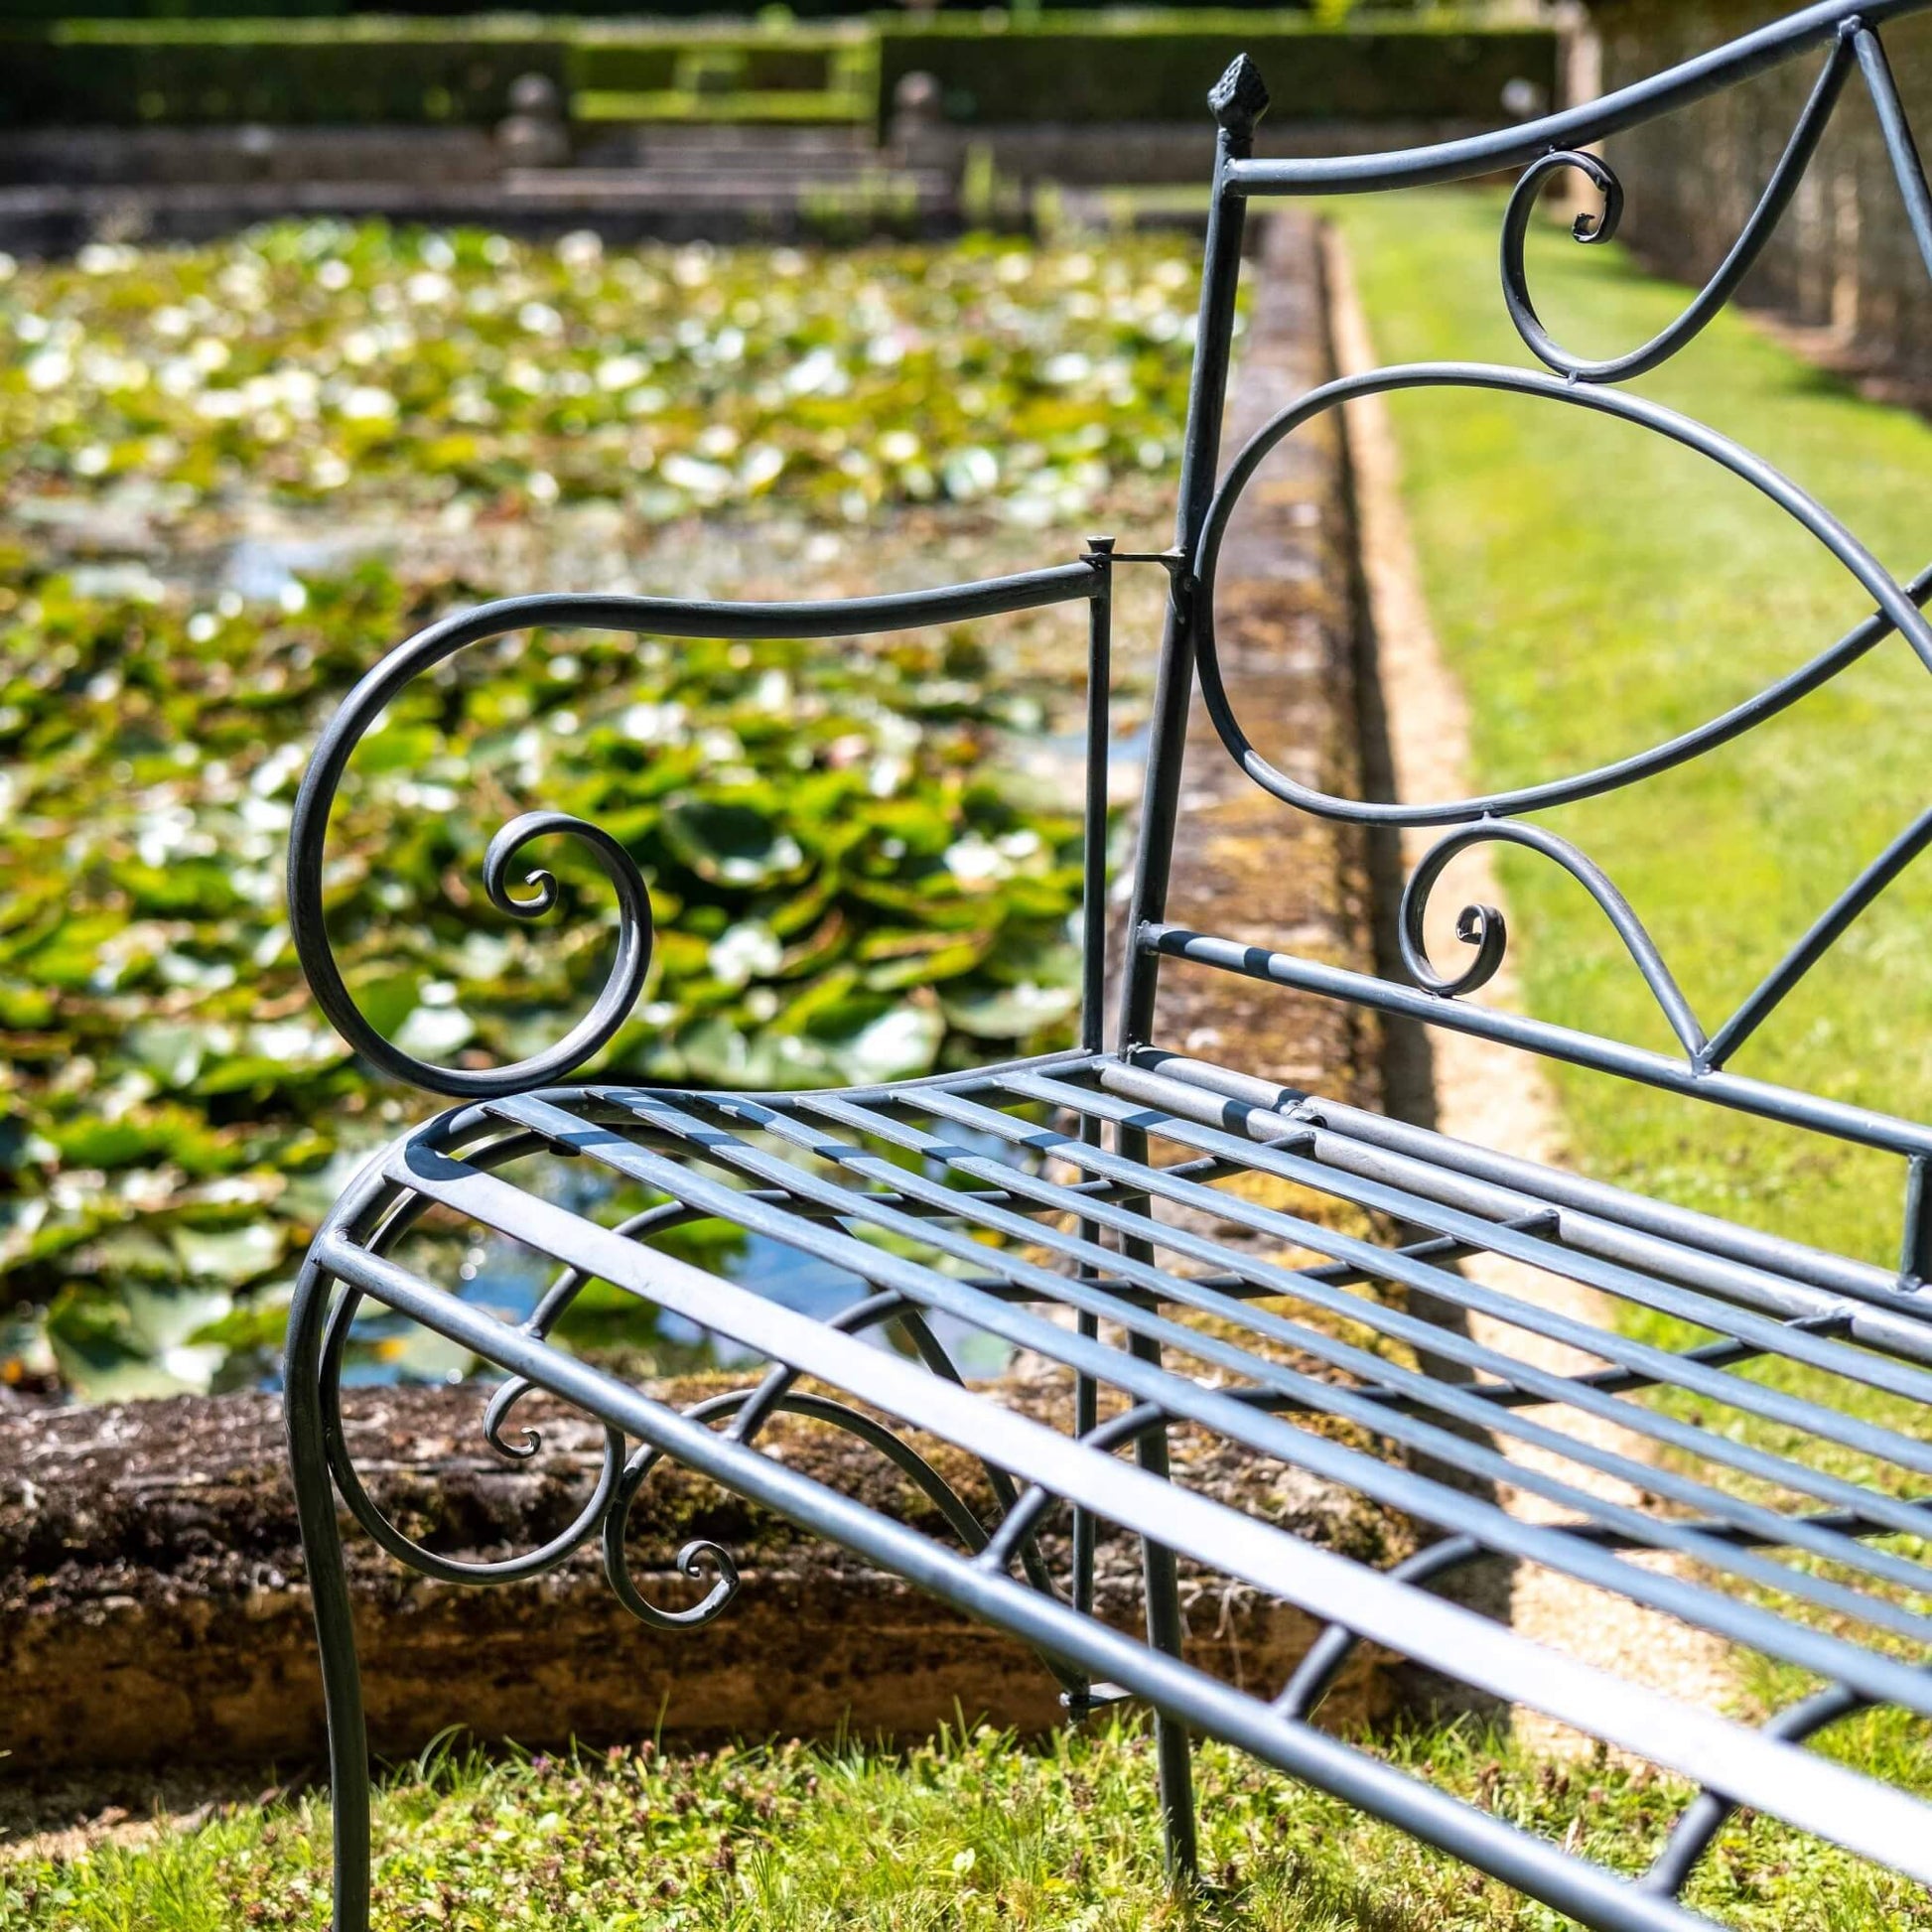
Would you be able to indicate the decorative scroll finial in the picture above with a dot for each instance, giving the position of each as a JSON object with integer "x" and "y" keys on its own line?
{"x": 1239, "y": 98}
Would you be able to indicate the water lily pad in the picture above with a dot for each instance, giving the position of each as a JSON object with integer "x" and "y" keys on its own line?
{"x": 21, "y": 1007}
{"x": 871, "y": 1042}
{"x": 742, "y": 951}
{"x": 731, "y": 844}
{"x": 921, "y": 958}
{"x": 716, "y": 1053}
{"x": 989, "y": 1010}
{"x": 172, "y": 1050}
{"x": 233, "y": 1255}
{"x": 792, "y": 803}
{"x": 125, "y": 1343}
{"x": 419, "y": 1355}
{"x": 435, "y": 1032}
{"x": 132, "y": 1254}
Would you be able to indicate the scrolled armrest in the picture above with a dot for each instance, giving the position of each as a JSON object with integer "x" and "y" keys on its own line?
{"x": 661, "y": 617}
{"x": 309, "y": 830}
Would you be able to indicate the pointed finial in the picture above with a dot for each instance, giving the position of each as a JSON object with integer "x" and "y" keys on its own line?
{"x": 1240, "y": 97}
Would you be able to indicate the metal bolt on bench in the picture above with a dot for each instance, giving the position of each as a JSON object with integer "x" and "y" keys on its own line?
{"x": 1059, "y": 1203}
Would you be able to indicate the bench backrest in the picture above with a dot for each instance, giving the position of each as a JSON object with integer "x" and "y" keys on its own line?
{"x": 1845, "y": 33}
{"x": 1845, "y": 37}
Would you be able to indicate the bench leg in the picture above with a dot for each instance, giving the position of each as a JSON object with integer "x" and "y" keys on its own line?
{"x": 1172, "y": 1750}
{"x": 322, "y": 1546}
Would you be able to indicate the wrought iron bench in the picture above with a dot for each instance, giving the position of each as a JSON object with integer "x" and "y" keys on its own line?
{"x": 1075, "y": 1207}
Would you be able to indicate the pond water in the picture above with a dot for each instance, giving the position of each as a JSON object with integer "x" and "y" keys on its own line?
{"x": 246, "y": 470}
{"x": 508, "y": 1280}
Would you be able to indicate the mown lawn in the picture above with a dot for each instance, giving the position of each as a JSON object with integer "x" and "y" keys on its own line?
{"x": 973, "y": 1831}
{"x": 1597, "y": 589}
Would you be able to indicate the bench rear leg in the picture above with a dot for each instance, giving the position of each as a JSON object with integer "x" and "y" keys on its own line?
{"x": 322, "y": 1544}
{"x": 1172, "y": 1750}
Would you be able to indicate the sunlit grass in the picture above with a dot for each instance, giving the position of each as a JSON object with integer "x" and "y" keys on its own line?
{"x": 1597, "y": 589}
{"x": 972, "y": 1830}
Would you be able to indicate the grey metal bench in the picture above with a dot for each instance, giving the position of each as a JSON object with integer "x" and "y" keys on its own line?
{"x": 1057, "y": 1203}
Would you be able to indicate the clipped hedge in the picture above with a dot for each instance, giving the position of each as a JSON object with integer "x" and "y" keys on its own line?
{"x": 821, "y": 73}
{"x": 318, "y": 71}
{"x": 668, "y": 9}
{"x": 1158, "y": 66}
{"x": 645, "y": 57}
{"x": 290, "y": 73}
{"x": 991, "y": 66}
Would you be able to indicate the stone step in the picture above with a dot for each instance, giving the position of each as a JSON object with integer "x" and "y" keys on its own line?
{"x": 685, "y": 186}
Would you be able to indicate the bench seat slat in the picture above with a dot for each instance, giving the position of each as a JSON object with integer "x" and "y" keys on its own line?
{"x": 1711, "y": 1750}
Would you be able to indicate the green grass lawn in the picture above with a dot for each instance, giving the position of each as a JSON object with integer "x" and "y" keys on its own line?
{"x": 1597, "y": 589}
{"x": 970, "y": 1832}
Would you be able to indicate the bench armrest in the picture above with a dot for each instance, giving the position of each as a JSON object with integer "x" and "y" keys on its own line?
{"x": 1086, "y": 580}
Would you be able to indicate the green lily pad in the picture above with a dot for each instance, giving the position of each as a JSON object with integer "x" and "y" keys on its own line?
{"x": 850, "y": 882}
{"x": 130, "y": 1343}
{"x": 870, "y": 1042}
{"x": 172, "y": 1050}
{"x": 422, "y": 1356}
{"x": 232, "y": 1255}
{"x": 435, "y": 1032}
{"x": 989, "y": 1010}
{"x": 731, "y": 844}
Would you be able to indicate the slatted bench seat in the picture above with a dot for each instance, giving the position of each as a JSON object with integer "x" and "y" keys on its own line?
{"x": 1195, "y": 1248}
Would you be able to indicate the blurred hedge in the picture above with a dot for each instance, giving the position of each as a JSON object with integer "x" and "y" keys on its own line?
{"x": 285, "y": 72}
{"x": 669, "y": 9}
{"x": 1158, "y": 66}
{"x": 827, "y": 73}
{"x": 1058, "y": 66}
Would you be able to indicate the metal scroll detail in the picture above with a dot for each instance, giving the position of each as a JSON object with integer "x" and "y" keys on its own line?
{"x": 1856, "y": 45}
{"x": 380, "y": 1213}
{"x": 622, "y": 1473}
{"x": 1481, "y": 926}
{"x": 309, "y": 830}
{"x": 1577, "y": 383}
{"x": 1084, "y": 581}
{"x": 1592, "y": 229}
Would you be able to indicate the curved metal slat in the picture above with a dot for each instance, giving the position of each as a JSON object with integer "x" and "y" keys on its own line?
{"x": 1818, "y": 1795}
{"x": 1534, "y": 1867}
{"x": 1185, "y": 1399}
{"x": 1709, "y": 300}
{"x": 1575, "y": 127}
{"x": 1468, "y": 1403}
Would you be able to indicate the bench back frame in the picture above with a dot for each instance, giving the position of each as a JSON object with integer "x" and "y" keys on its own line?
{"x": 1559, "y": 143}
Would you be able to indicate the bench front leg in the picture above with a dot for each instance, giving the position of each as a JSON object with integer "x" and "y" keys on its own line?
{"x": 322, "y": 1546}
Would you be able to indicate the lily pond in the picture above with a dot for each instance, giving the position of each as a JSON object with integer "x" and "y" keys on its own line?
{"x": 232, "y": 477}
